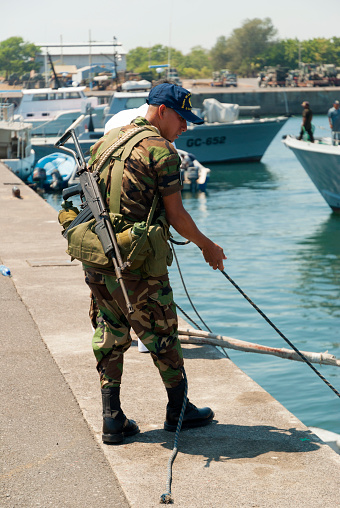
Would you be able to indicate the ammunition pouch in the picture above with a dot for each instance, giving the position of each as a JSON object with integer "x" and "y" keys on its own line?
{"x": 161, "y": 256}
{"x": 142, "y": 247}
{"x": 84, "y": 244}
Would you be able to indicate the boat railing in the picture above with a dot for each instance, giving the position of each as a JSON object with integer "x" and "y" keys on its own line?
{"x": 6, "y": 112}
{"x": 329, "y": 141}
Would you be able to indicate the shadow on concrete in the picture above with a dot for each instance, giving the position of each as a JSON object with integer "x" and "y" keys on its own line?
{"x": 219, "y": 442}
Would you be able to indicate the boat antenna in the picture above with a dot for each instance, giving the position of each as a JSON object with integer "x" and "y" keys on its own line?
{"x": 55, "y": 77}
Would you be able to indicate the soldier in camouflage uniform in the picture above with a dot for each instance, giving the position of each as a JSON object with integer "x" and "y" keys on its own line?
{"x": 153, "y": 166}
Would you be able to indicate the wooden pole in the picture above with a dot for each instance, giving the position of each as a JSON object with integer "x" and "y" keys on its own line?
{"x": 189, "y": 336}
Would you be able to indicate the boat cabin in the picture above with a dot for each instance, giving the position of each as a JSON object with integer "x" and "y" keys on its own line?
{"x": 45, "y": 103}
{"x": 125, "y": 100}
{"x": 15, "y": 137}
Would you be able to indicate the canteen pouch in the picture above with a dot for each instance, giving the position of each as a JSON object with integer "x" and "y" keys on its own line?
{"x": 161, "y": 254}
{"x": 134, "y": 245}
{"x": 67, "y": 214}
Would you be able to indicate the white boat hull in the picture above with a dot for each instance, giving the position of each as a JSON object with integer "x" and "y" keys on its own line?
{"x": 322, "y": 164}
{"x": 330, "y": 438}
{"x": 242, "y": 140}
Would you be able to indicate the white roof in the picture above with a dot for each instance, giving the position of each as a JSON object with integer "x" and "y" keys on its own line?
{"x": 81, "y": 48}
{"x": 50, "y": 90}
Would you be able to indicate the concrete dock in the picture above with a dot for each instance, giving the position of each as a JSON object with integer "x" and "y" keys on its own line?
{"x": 255, "y": 454}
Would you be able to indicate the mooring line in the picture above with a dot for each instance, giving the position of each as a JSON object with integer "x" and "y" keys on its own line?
{"x": 166, "y": 498}
{"x": 187, "y": 293}
{"x": 280, "y": 333}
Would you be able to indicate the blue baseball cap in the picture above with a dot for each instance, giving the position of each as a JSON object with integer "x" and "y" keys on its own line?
{"x": 176, "y": 98}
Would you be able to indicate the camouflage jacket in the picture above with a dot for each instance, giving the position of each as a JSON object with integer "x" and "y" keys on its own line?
{"x": 153, "y": 165}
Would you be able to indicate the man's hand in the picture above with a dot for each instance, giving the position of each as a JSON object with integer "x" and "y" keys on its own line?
{"x": 213, "y": 254}
{"x": 180, "y": 219}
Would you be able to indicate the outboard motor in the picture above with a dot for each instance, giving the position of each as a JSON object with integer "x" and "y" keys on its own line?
{"x": 192, "y": 176}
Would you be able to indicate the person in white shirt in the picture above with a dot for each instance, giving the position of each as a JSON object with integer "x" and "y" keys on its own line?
{"x": 125, "y": 117}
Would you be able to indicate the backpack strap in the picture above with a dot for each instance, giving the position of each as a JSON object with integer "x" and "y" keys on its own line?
{"x": 118, "y": 168}
{"x": 113, "y": 142}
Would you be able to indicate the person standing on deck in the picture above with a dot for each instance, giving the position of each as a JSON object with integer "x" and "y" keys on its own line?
{"x": 334, "y": 122}
{"x": 306, "y": 126}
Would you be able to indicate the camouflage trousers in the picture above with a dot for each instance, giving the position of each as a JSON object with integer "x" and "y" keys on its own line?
{"x": 154, "y": 321}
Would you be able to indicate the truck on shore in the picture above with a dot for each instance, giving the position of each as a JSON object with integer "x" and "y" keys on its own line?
{"x": 307, "y": 75}
{"x": 224, "y": 78}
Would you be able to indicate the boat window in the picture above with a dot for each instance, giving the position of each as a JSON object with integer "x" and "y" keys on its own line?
{"x": 135, "y": 102}
{"x": 72, "y": 95}
{"x": 55, "y": 96}
{"x": 40, "y": 97}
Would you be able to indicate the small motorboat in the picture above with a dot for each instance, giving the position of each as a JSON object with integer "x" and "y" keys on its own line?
{"x": 194, "y": 175}
{"x": 52, "y": 172}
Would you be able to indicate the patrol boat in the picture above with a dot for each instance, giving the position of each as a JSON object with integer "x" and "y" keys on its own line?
{"x": 52, "y": 110}
{"x": 223, "y": 137}
{"x": 321, "y": 161}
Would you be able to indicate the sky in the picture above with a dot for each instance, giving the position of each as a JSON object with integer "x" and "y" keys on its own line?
{"x": 182, "y": 24}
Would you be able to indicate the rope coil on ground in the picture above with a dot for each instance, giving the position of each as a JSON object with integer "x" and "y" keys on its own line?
{"x": 166, "y": 498}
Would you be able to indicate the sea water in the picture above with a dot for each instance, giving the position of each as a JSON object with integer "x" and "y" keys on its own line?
{"x": 283, "y": 246}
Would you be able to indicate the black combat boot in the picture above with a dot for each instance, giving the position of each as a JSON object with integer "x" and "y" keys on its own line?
{"x": 115, "y": 424}
{"x": 193, "y": 417}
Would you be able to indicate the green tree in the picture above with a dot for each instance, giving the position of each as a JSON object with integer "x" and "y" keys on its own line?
{"x": 318, "y": 51}
{"x": 243, "y": 52}
{"x": 195, "y": 64}
{"x": 219, "y": 54}
{"x": 289, "y": 52}
{"x": 284, "y": 53}
{"x": 17, "y": 56}
{"x": 199, "y": 61}
{"x": 137, "y": 58}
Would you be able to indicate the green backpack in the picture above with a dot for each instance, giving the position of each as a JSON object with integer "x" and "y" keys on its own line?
{"x": 141, "y": 245}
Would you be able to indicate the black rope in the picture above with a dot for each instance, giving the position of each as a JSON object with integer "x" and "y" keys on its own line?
{"x": 302, "y": 356}
{"x": 179, "y": 243}
{"x": 188, "y": 296}
{"x": 167, "y": 498}
{"x": 280, "y": 333}
{"x": 189, "y": 318}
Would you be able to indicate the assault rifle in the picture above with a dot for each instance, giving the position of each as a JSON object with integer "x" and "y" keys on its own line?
{"x": 93, "y": 206}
